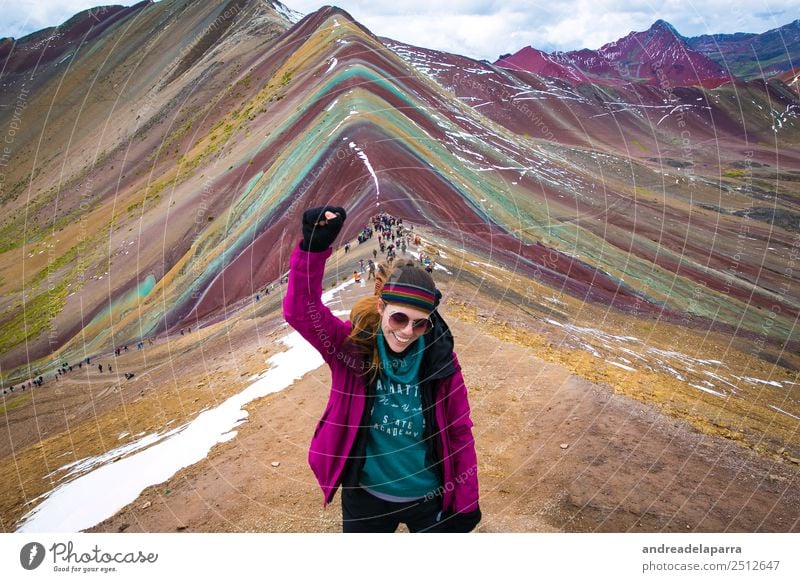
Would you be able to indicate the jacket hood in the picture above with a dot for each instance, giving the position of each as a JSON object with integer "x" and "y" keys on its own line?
{"x": 437, "y": 361}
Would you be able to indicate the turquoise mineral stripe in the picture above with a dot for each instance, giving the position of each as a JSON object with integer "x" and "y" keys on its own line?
{"x": 128, "y": 300}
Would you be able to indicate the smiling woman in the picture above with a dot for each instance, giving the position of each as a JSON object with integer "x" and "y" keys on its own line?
{"x": 396, "y": 434}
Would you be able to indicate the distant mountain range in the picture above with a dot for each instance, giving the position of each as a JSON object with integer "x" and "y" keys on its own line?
{"x": 661, "y": 56}
{"x": 752, "y": 56}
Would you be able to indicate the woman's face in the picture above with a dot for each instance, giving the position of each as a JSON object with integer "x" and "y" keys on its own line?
{"x": 401, "y": 324}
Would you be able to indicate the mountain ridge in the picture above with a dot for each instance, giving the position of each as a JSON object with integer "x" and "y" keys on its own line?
{"x": 754, "y": 55}
{"x": 705, "y": 60}
{"x": 658, "y": 56}
{"x": 327, "y": 75}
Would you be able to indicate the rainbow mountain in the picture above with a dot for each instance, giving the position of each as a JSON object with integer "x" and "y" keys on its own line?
{"x": 157, "y": 159}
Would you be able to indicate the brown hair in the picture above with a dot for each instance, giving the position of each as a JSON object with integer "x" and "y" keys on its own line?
{"x": 366, "y": 319}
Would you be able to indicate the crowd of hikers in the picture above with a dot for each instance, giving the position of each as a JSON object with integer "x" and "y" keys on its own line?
{"x": 65, "y": 368}
{"x": 392, "y": 238}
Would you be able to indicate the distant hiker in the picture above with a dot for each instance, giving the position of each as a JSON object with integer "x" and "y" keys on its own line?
{"x": 396, "y": 433}
{"x": 100, "y": 367}
{"x": 374, "y": 253}
{"x": 370, "y": 270}
{"x": 181, "y": 331}
{"x": 109, "y": 368}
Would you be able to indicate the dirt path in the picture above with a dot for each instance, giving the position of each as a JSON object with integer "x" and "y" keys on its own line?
{"x": 556, "y": 453}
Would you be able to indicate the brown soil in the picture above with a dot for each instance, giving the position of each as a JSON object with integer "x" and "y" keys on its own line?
{"x": 556, "y": 451}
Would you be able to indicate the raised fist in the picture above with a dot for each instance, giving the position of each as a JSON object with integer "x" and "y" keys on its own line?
{"x": 321, "y": 226}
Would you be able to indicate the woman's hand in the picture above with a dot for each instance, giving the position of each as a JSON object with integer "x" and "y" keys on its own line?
{"x": 321, "y": 226}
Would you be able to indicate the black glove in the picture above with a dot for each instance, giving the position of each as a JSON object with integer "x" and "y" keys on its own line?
{"x": 459, "y": 522}
{"x": 319, "y": 232}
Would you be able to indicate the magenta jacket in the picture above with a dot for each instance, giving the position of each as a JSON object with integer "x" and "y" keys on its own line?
{"x": 338, "y": 429}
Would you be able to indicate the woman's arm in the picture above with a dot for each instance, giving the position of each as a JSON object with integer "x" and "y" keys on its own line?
{"x": 463, "y": 456}
{"x": 303, "y": 308}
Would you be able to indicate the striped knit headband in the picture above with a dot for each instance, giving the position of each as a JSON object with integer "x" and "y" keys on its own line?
{"x": 408, "y": 294}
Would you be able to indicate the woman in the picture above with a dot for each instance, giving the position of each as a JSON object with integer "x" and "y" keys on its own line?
{"x": 396, "y": 433}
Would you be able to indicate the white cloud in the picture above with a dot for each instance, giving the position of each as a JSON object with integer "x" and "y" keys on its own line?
{"x": 474, "y": 35}
{"x": 21, "y": 17}
{"x": 488, "y": 28}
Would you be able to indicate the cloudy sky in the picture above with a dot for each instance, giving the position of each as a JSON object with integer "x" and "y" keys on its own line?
{"x": 485, "y": 29}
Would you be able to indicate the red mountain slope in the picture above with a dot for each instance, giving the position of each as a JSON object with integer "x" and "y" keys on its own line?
{"x": 658, "y": 56}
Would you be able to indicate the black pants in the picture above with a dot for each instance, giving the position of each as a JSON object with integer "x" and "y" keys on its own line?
{"x": 365, "y": 513}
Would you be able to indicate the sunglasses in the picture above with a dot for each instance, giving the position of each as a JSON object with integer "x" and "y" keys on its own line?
{"x": 399, "y": 320}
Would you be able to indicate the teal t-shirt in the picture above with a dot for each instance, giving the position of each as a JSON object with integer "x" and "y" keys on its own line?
{"x": 395, "y": 463}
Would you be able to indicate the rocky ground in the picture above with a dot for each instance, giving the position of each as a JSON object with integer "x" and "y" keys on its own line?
{"x": 558, "y": 449}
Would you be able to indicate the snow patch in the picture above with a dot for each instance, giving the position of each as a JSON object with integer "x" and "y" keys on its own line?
{"x": 360, "y": 153}
{"x": 709, "y": 390}
{"x": 333, "y": 62}
{"x": 783, "y": 412}
{"x": 104, "y": 484}
{"x": 623, "y": 366}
